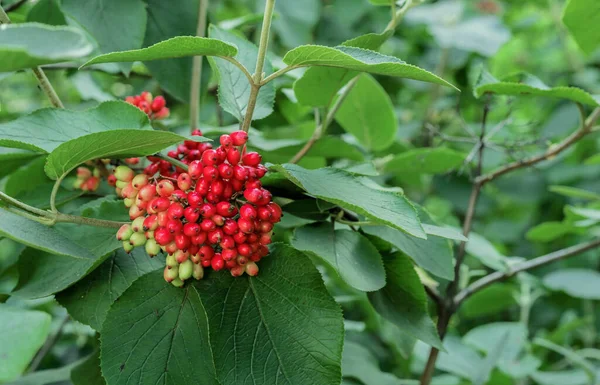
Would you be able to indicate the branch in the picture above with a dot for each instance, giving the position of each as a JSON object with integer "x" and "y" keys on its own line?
{"x": 434, "y": 295}
{"x": 197, "y": 70}
{"x": 173, "y": 161}
{"x": 48, "y": 345}
{"x": 65, "y": 218}
{"x": 38, "y": 72}
{"x": 586, "y": 128}
{"x": 322, "y": 128}
{"x": 524, "y": 266}
{"x": 260, "y": 62}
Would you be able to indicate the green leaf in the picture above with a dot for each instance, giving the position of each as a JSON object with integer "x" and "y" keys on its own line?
{"x": 57, "y": 376}
{"x": 109, "y": 144}
{"x": 489, "y": 301}
{"x": 550, "y": 231}
{"x": 403, "y": 300}
{"x": 87, "y": 371}
{"x": 486, "y": 252}
{"x": 46, "y": 12}
{"x": 165, "y": 22}
{"x": 330, "y": 147}
{"x": 368, "y": 114}
{"x": 358, "y": 59}
{"x": 352, "y": 256}
{"x": 527, "y": 84}
{"x": 11, "y": 159}
{"x": 571, "y": 356}
{"x": 318, "y": 86}
{"x": 437, "y": 160}
{"x": 578, "y": 283}
{"x": 116, "y": 25}
{"x": 88, "y": 301}
{"x": 383, "y": 207}
{"x": 281, "y": 325}
{"x": 433, "y": 254}
{"x": 444, "y": 232}
{"x": 31, "y": 44}
{"x": 563, "y": 377}
{"x": 294, "y": 24}
{"x": 573, "y": 192}
{"x": 234, "y": 88}
{"x": 22, "y": 333}
{"x": 381, "y": 2}
{"x": 581, "y": 18}
{"x": 44, "y": 130}
{"x": 39, "y": 236}
{"x": 458, "y": 358}
{"x": 358, "y": 362}
{"x": 180, "y": 46}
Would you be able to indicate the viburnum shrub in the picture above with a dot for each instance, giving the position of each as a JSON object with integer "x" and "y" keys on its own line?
{"x": 207, "y": 199}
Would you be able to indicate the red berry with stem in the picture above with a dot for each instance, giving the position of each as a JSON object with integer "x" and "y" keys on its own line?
{"x": 191, "y": 229}
{"x": 252, "y": 159}
{"x": 226, "y": 209}
{"x": 239, "y": 138}
{"x": 191, "y": 214}
{"x": 248, "y": 211}
{"x": 163, "y": 236}
{"x": 174, "y": 226}
{"x": 175, "y": 211}
{"x": 217, "y": 262}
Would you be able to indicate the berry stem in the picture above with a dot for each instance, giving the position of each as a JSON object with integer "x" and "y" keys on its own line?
{"x": 173, "y": 161}
{"x": 66, "y": 218}
{"x": 38, "y": 72}
{"x": 197, "y": 71}
{"x": 260, "y": 62}
{"x": 54, "y": 193}
{"x": 23, "y": 206}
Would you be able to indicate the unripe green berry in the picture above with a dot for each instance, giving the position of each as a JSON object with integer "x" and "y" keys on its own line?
{"x": 139, "y": 181}
{"x": 77, "y": 183}
{"x": 121, "y": 184}
{"x": 186, "y": 269}
{"x": 172, "y": 261}
{"x": 138, "y": 225}
{"x": 124, "y": 233}
{"x": 96, "y": 172}
{"x": 198, "y": 271}
{"x": 251, "y": 269}
{"x": 127, "y": 247}
{"x": 128, "y": 202}
{"x": 152, "y": 248}
{"x": 124, "y": 173}
{"x": 137, "y": 239}
{"x": 170, "y": 273}
{"x": 177, "y": 282}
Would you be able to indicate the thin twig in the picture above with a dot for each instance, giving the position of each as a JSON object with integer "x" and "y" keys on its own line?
{"x": 322, "y": 128}
{"x": 45, "y": 349}
{"x": 173, "y": 161}
{"x": 524, "y": 266}
{"x": 65, "y": 218}
{"x": 23, "y": 206}
{"x": 55, "y": 189}
{"x": 434, "y": 295}
{"x": 197, "y": 70}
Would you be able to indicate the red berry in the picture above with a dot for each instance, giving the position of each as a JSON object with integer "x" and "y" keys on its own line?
{"x": 214, "y": 237}
{"x": 165, "y": 188}
{"x": 209, "y": 158}
{"x": 229, "y": 254}
{"x": 245, "y": 225}
{"x": 253, "y": 195}
{"x": 175, "y": 211}
{"x": 240, "y": 172}
{"x": 158, "y": 103}
{"x": 233, "y": 156}
{"x": 174, "y": 226}
{"x": 202, "y": 186}
{"x": 217, "y": 262}
{"x": 251, "y": 269}
{"x": 191, "y": 229}
{"x": 147, "y": 193}
{"x": 163, "y": 218}
{"x": 178, "y": 196}
{"x": 230, "y": 227}
{"x": 240, "y": 237}
{"x": 265, "y": 226}
{"x": 225, "y": 171}
{"x": 221, "y": 154}
{"x": 217, "y": 187}
{"x": 151, "y": 223}
{"x": 227, "y": 242}
{"x": 264, "y": 213}
{"x": 244, "y": 249}
{"x": 248, "y": 211}
{"x": 160, "y": 204}
{"x": 226, "y": 141}
{"x": 265, "y": 239}
{"x": 206, "y": 252}
{"x": 184, "y": 181}
{"x": 207, "y": 210}
{"x": 194, "y": 198}
{"x": 208, "y": 225}
{"x": 191, "y": 214}
{"x": 231, "y": 264}
{"x": 276, "y": 212}
{"x": 226, "y": 209}
{"x": 210, "y": 173}
{"x": 163, "y": 236}
{"x": 252, "y": 159}
{"x": 182, "y": 241}
{"x": 195, "y": 169}
{"x": 171, "y": 248}
{"x": 239, "y": 138}
{"x": 218, "y": 219}
{"x": 199, "y": 239}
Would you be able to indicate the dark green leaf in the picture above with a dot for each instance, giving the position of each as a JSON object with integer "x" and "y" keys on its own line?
{"x": 352, "y": 256}
{"x": 380, "y": 206}
{"x": 32, "y": 44}
{"x": 22, "y": 333}
{"x": 368, "y": 114}
{"x": 11, "y": 159}
{"x": 549, "y": 231}
{"x": 403, "y": 300}
{"x": 425, "y": 161}
{"x": 47, "y": 12}
{"x": 234, "y": 88}
{"x": 88, "y": 301}
{"x": 87, "y": 371}
{"x": 581, "y": 18}
{"x": 116, "y": 25}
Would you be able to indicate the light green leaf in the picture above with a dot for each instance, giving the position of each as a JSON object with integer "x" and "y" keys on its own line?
{"x": 39, "y": 236}
{"x": 594, "y": 159}
{"x": 44, "y": 130}
{"x": 22, "y": 333}
{"x": 358, "y": 59}
{"x": 581, "y": 18}
{"x": 579, "y": 283}
{"x": 380, "y": 206}
{"x": 234, "y": 88}
{"x": 486, "y": 252}
{"x": 570, "y": 355}
{"x": 549, "y": 231}
{"x": 180, "y": 46}
{"x": 573, "y": 192}
{"x": 368, "y": 114}
{"x": 487, "y": 336}
{"x": 437, "y": 160}
{"x": 403, "y": 300}
{"x": 49, "y": 376}
{"x": 458, "y": 358}
{"x": 444, "y": 232}
{"x": 358, "y": 362}
{"x": 433, "y": 254}
{"x": 527, "y": 84}
{"x": 46, "y": 12}
{"x": 31, "y": 44}
{"x": 381, "y": 2}
{"x": 294, "y": 24}
{"x": 116, "y": 25}
{"x": 155, "y": 322}
{"x": 88, "y": 301}
{"x": 109, "y": 144}
{"x": 11, "y": 159}
{"x": 349, "y": 253}
{"x": 491, "y": 300}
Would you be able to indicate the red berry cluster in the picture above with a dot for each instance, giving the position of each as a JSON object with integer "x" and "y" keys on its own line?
{"x": 217, "y": 214}
{"x": 186, "y": 152}
{"x": 155, "y": 108}
{"x": 87, "y": 180}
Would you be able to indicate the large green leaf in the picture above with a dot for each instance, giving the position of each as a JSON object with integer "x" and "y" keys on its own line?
{"x": 22, "y": 333}
{"x": 358, "y": 362}
{"x": 368, "y": 114}
{"x": 46, "y": 12}
{"x": 11, "y": 159}
{"x": 403, "y": 300}
{"x": 358, "y": 59}
{"x": 180, "y": 46}
{"x": 491, "y": 300}
{"x": 44, "y": 130}
{"x": 582, "y": 17}
{"x": 352, "y": 256}
{"x": 116, "y": 25}
{"x": 109, "y": 144}
{"x": 549, "y": 231}
{"x": 579, "y": 283}
{"x": 155, "y": 333}
{"x": 39, "y": 236}
{"x": 318, "y": 85}
{"x": 88, "y": 301}
{"x": 234, "y": 88}
{"x": 346, "y": 190}
{"x": 425, "y": 161}
{"x": 294, "y": 24}
{"x": 281, "y": 325}
{"x": 527, "y": 84}
{"x": 32, "y": 44}
{"x": 433, "y": 254}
